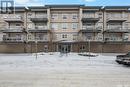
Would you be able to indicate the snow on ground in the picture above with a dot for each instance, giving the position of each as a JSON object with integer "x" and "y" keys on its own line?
{"x": 62, "y": 70}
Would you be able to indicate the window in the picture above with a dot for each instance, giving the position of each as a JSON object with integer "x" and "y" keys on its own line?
{"x": 64, "y": 26}
{"x": 64, "y": 16}
{"x": 100, "y": 15}
{"x": 54, "y": 26}
{"x": 54, "y": 16}
{"x": 64, "y": 36}
{"x": 29, "y": 15}
{"x": 74, "y": 25}
{"x": 74, "y": 36}
{"x": 17, "y": 24}
{"x": 45, "y": 37}
{"x": 18, "y": 36}
{"x": 29, "y": 37}
{"x": 74, "y": 16}
{"x": 89, "y": 36}
{"x": 40, "y": 36}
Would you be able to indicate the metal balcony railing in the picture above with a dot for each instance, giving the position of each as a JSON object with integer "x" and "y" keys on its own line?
{"x": 38, "y": 29}
{"x": 41, "y": 27}
{"x": 85, "y": 15}
{"x": 39, "y": 18}
{"x": 109, "y": 39}
{"x": 91, "y": 29}
{"x": 14, "y": 18}
{"x": 13, "y": 29}
{"x": 39, "y": 39}
{"x": 117, "y": 19}
{"x": 90, "y": 18}
{"x": 12, "y": 39}
{"x": 92, "y": 39}
{"x": 118, "y": 29}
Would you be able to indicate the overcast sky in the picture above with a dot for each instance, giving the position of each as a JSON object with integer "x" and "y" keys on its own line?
{"x": 86, "y": 2}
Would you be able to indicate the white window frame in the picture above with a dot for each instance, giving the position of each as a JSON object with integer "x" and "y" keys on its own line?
{"x": 74, "y": 26}
{"x": 64, "y": 16}
{"x": 64, "y": 25}
{"x": 64, "y": 35}
{"x": 74, "y": 16}
{"x": 54, "y": 26}
{"x": 54, "y": 16}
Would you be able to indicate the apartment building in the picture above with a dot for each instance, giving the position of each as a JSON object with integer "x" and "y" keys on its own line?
{"x": 66, "y": 28}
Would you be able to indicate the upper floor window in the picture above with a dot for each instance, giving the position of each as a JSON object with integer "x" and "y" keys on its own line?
{"x": 54, "y": 16}
{"x": 64, "y": 36}
{"x": 74, "y": 36}
{"x": 54, "y": 26}
{"x": 100, "y": 15}
{"x": 74, "y": 25}
{"x": 64, "y": 26}
{"x": 29, "y": 15}
{"x": 64, "y": 16}
{"x": 74, "y": 16}
{"x": 29, "y": 36}
{"x": 18, "y": 24}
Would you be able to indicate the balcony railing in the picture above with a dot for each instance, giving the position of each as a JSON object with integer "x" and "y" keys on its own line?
{"x": 42, "y": 18}
{"x": 116, "y": 39}
{"x": 38, "y": 29}
{"x": 39, "y": 40}
{"x": 92, "y": 39}
{"x": 14, "y": 18}
{"x": 41, "y": 27}
{"x": 116, "y": 19}
{"x": 86, "y": 18}
{"x": 13, "y": 30}
{"x": 117, "y": 30}
{"x": 91, "y": 29}
{"x": 13, "y": 39}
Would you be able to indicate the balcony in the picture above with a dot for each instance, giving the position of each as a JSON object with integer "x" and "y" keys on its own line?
{"x": 38, "y": 29}
{"x": 91, "y": 39}
{"x": 116, "y": 19}
{"x": 14, "y": 18}
{"x": 91, "y": 29}
{"x": 13, "y": 30}
{"x": 117, "y": 30}
{"x": 12, "y": 39}
{"x": 86, "y": 18}
{"x": 42, "y": 18}
{"x": 118, "y": 39}
{"x": 39, "y": 39}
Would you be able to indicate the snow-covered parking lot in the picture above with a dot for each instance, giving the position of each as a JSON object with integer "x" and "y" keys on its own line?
{"x": 71, "y": 70}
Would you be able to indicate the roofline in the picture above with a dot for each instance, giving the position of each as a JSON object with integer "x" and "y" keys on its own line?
{"x": 37, "y": 7}
{"x": 116, "y": 7}
{"x": 93, "y": 7}
{"x": 22, "y": 8}
{"x": 64, "y": 5}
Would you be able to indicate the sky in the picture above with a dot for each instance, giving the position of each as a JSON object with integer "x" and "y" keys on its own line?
{"x": 85, "y": 2}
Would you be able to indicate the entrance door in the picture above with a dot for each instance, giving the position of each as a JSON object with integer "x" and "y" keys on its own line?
{"x": 65, "y": 48}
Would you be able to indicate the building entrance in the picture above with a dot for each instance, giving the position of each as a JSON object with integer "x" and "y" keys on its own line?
{"x": 65, "y": 48}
